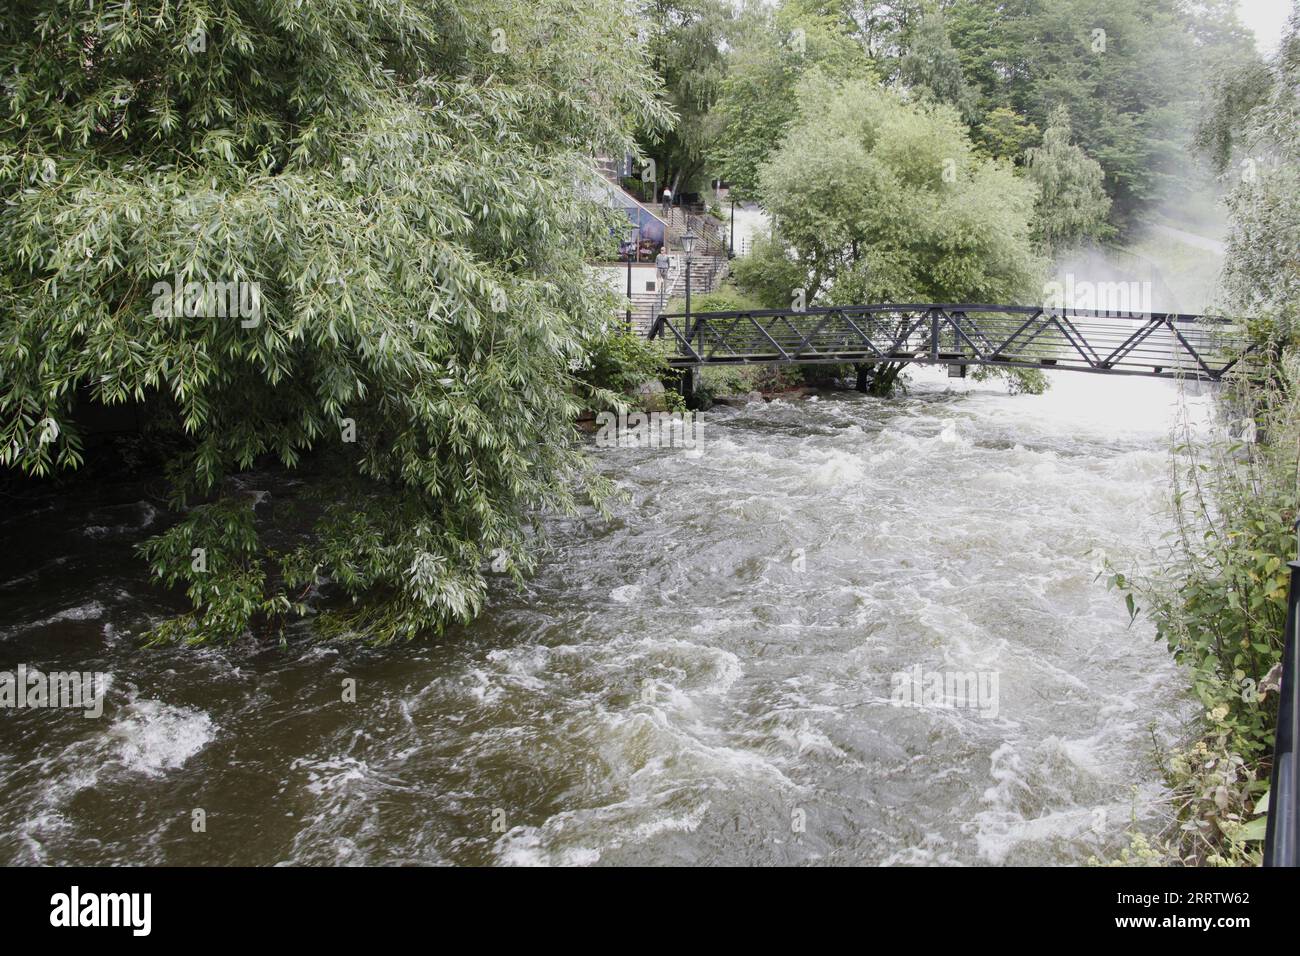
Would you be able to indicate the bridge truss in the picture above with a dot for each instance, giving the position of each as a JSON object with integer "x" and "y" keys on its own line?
{"x": 1154, "y": 344}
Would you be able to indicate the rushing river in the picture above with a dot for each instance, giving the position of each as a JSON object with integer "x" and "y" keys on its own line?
{"x": 705, "y": 679}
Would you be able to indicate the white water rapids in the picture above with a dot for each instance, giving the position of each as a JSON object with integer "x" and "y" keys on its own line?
{"x": 704, "y": 680}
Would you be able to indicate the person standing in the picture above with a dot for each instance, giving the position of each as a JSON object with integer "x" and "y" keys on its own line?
{"x": 667, "y": 202}
{"x": 661, "y": 267}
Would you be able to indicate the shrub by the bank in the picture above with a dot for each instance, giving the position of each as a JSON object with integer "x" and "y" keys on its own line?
{"x": 616, "y": 363}
{"x": 1218, "y": 599}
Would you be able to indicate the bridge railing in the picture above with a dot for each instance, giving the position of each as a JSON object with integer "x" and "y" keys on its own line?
{"x": 1282, "y": 834}
{"x": 1194, "y": 346}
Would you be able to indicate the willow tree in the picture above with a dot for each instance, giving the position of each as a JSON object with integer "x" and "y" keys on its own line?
{"x": 1072, "y": 203}
{"x": 1261, "y": 273}
{"x": 877, "y": 199}
{"x": 394, "y": 181}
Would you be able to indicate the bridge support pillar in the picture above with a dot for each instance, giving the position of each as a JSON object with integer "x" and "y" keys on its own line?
{"x": 688, "y": 382}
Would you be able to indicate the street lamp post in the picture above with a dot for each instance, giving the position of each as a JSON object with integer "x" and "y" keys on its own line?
{"x": 731, "y": 248}
{"x": 633, "y": 234}
{"x": 688, "y": 246}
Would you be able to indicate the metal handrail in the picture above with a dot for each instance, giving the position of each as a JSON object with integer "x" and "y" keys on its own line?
{"x": 1168, "y": 345}
{"x": 666, "y": 287}
{"x": 710, "y": 237}
{"x": 1282, "y": 833}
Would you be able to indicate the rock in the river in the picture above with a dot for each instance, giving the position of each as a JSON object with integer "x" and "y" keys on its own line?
{"x": 650, "y": 397}
{"x": 748, "y": 398}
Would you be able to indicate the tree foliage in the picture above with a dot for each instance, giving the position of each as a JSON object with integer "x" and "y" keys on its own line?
{"x": 1261, "y": 275}
{"x": 879, "y": 200}
{"x": 876, "y": 199}
{"x": 757, "y": 102}
{"x": 1004, "y": 134}
{"x": 1119, "y": 67}
{"x": 685, "y": 39}
{"x": 1072, "y": 204}
{"x": 398, "y": 179}
{"x": 932, "y": 68}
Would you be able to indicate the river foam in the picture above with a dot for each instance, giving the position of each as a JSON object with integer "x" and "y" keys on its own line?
{"x": 711, "y": 677}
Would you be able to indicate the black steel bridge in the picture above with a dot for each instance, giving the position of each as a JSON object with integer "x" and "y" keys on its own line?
{"x": 1116, "y": 343}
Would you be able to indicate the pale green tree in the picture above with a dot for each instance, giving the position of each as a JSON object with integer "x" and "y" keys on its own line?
{"x": 1072, "y": 203}
{"x": 877, "y": 199}
{"x": 1005, "y": 134}
{"x": 1127, "y": 70}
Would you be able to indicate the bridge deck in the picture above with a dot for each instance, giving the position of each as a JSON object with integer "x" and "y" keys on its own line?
{"x": 1153, "y": 344}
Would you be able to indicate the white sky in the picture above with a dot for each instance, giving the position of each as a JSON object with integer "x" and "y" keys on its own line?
{"x": 1266, "y": 18}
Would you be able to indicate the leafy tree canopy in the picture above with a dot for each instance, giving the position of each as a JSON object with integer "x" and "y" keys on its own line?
{"x": 932, "y": 68}
{"x": 1261, "y": 274}
{"x": 1072, "y": 203}
{"x": 1119, "y": 67}
{"x": 757, "y": 102}
{"x": 686, "y": 40}
{"x": 880, "y": 200}
{"x": 398, "y": 180}
{"x": 1004, "y": 134}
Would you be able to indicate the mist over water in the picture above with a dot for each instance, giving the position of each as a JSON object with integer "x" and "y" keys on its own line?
{"x": 677, "y": 685}
{"x": 1172, "y": 265}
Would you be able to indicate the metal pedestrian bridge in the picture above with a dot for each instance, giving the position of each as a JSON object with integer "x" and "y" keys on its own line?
{"x": 1157, "y": 344}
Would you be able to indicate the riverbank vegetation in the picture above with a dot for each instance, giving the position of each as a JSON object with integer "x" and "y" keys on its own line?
{"x": 1219, "y": 597}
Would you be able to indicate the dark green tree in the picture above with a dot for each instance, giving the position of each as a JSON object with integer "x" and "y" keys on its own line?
{"x": 394, "y": 182}
{"x": 931, "y": 66}
{"x": 686, "y": 40}
{"x": 1120, "y": 68}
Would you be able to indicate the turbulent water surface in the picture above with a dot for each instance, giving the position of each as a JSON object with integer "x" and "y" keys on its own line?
{"x": 705, "y": 679}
